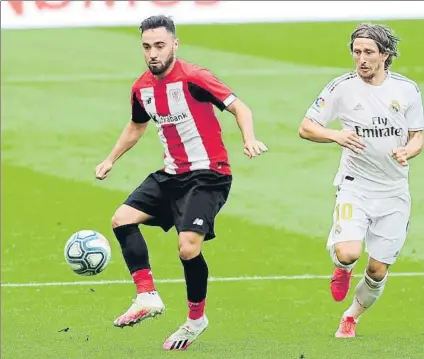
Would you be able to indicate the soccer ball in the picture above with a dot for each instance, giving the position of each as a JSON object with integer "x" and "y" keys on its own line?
{"x": 87, "y": 252}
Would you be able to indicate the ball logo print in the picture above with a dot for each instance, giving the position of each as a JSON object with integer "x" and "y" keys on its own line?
{"x": 87, "y": 252}
{"x": 320, "y": 102}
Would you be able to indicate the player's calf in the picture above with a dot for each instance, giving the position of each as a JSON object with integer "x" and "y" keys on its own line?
{"x": 196, "y": 275}
{"x": 196, "y": 272}
{"x": 367, "y": 292}
{"x": 344, "y": 256}
{"x": 134, "y": 250}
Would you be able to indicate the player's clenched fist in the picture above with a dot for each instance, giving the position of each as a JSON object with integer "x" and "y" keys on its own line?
{"x": 103, "y": 169}
{"x": 351, "y": 140}
{"x": 253, "y": 148}
{"x": 401, "y": 155}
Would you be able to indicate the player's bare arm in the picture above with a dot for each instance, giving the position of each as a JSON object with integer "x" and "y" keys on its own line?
{"x": 412, "y": 149}
{"x": 312, "y": 131}
{"x": 415, "y": 144}
{"x": 244, "y": 118}
{"x": 129, "y": 137}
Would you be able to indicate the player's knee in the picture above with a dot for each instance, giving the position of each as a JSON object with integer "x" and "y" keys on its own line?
{"x": 127, "y": 215}
{"x": 117, "y": 220}
{"x": 189, "y": 244}
{"x": 348, "y": 252}
{"x": 377, "y": 270}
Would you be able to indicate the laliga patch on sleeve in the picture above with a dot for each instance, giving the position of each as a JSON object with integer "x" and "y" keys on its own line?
{"x": 320, "y": 102}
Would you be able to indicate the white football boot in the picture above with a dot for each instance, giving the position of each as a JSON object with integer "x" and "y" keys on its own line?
{"x": 186, "y": 334}
{"x": 145, "y": 305}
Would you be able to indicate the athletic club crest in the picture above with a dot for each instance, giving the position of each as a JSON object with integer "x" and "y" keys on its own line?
{"x": 175, "y": 95}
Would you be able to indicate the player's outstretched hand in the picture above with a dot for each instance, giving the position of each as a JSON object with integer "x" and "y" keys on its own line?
{"x": 401, "y": 155}
{"x": 103, "y": 169}
{"x": 253, "y": 148}
{"x": 351, "y": 140}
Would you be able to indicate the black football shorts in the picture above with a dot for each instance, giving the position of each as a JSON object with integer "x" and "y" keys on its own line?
{"x": 189, "y": 201}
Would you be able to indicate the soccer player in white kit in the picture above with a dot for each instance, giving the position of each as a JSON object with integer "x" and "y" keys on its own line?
{"x": 382, "y": 119}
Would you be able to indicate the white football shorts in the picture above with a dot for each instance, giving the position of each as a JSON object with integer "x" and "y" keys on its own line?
{"x": 382, "y": 223}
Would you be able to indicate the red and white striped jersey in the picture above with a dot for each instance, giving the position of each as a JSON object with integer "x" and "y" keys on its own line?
{"x": 181, "y": 106}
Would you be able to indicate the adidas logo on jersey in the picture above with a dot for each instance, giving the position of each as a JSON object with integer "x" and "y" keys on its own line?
{"x": 358, "y": 107}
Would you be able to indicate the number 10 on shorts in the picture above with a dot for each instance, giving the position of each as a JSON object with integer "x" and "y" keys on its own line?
{"x": 344, "y": 211}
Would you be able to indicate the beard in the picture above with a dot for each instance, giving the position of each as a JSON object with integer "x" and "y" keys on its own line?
{"x": 368, "y": 77}
{"x": 161, "y": 67}
{"x": 371, "y": 73}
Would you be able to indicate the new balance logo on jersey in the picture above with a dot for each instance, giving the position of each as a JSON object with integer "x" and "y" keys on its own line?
{"x": 377, "y": 131}
{"x": 198, "y": 221}
{"x": 169, "y": 119}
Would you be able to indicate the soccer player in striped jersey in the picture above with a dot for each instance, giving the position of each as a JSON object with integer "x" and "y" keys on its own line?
{"x": 381, "y": 113}
{"x": 191, "y": 188}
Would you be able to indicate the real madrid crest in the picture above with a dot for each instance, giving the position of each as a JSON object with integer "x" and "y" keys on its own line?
{"x": 337, "y": 230}
{"x": 395, "y": 106}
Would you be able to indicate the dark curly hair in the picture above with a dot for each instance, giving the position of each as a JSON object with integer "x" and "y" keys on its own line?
{"x": 154, "y": 22}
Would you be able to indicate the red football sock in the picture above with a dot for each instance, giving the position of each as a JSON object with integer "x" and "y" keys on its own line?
{"x": 143, "y": 280}
{"x": 196, "y": 310}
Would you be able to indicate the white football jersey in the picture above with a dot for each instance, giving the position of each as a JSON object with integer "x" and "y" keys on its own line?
{"x": 382, "y": 115}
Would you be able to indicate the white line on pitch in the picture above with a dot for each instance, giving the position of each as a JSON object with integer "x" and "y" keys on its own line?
{"x": 212, "y": 279}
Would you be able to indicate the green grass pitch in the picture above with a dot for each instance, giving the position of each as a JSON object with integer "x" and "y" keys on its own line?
{"x": 64, "y": 100}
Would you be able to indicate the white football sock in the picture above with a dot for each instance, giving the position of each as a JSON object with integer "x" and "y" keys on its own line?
{"x": 197, "y": 322}
{"x": 347, "y": 267}
{"x": 366, "y": 293}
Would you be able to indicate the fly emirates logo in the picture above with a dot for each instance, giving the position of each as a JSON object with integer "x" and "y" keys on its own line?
{"x": 379, "y": 129}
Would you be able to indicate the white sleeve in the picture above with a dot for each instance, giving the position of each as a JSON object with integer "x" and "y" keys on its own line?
{"x": 415, "y": 114}
{"x": 325, "y": 107}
